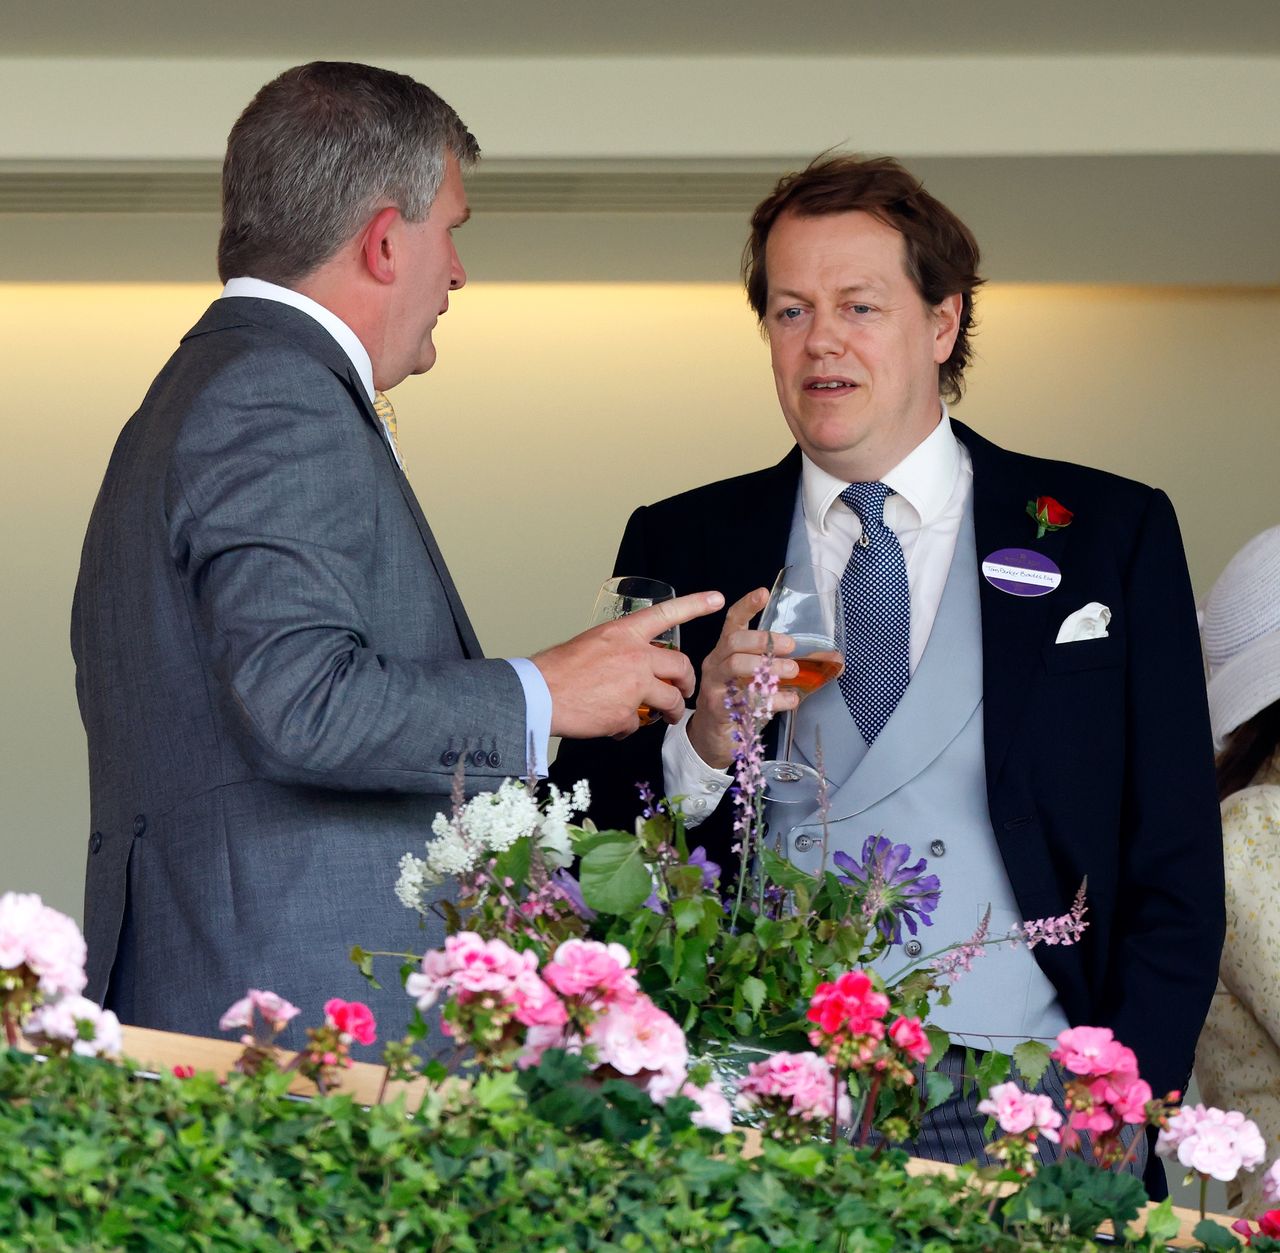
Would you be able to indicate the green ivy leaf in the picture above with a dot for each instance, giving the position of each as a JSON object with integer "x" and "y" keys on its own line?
{"x": 614, "y": 876}
{"x": 1161, "y": 1226}
{"x": 993, "y": 1069}
{"x": 753, "y": 992}
{"x": 1032, "y": 1059}
{"x": 783, "y": 873}
{"x": 937, "y": 1088}
{"x": 687, "y": 913}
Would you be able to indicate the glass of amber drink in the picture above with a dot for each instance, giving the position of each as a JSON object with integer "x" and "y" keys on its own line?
{"x": 804, "y": 604}
{"x": 621, "y": 596}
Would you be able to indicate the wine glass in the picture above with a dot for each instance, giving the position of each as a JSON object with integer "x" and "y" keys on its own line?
{"x": 804, "y": 604}
{"x": 621, "y": 596}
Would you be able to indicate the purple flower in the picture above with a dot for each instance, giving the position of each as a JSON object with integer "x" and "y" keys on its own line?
{"x": 654, "y": 904}
{"x": 651, "y": 805}
{"x": 894, "y": 892}
{"x": 571, "y": 890}
{"x": 710, "y": 871}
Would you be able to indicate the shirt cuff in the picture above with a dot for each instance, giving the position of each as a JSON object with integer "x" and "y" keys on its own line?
{"x": 537, "y": 713}
{"x": 685, "y": 775}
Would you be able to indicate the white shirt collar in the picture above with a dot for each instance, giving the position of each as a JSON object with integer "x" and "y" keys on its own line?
{"x": 347, "y": 339}
{"x": 924, "y": 478}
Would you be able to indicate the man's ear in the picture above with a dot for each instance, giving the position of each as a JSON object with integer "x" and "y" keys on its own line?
{"x": 946, "y": 317}
{"x": 377, "y": 244}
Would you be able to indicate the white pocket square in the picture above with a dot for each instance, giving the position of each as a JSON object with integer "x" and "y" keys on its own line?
{"x": 1089, "y": 623}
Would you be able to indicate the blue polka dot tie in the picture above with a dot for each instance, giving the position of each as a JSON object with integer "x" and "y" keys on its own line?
{"x": 877, "y": 615}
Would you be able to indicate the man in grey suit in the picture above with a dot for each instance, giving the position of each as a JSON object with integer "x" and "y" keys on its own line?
{"x": 277, "y": 678}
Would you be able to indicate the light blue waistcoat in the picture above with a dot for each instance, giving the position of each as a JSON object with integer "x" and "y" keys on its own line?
{"x": 922, "y": 783}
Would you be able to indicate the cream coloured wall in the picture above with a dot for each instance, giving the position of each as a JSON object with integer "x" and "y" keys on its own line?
{"x": 553, "y": 411}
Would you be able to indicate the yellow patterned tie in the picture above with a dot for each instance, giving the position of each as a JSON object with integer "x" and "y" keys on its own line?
{"x": 382, "y": 407}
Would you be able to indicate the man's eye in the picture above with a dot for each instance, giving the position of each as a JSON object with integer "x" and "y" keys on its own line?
{"x": 790, "y": 313}
{"x": 860, "y": 308}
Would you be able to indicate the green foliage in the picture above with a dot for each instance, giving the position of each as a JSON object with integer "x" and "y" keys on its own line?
{"x": 1079, "y": 1193}
{"x": 92, "y": 1159}
{"x": 613, "y": 874}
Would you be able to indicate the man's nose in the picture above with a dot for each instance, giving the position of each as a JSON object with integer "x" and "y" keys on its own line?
{"x": 823, "y": 339}
{"x": 457, "y": 275}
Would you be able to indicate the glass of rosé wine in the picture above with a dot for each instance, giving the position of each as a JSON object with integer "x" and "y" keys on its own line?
{"x": 804, "y": 604}
{"x": 621, "y": 596}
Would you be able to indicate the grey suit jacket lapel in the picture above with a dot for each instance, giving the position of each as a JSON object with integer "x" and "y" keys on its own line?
{"x": 310, "y": 336}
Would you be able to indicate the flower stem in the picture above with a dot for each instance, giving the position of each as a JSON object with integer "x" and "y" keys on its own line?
{"x": 1204, "y": 1188}
{"x": 869, "y": 1110}
{"x": 10, "y": 1028}
{"x": 835, "y": 1106}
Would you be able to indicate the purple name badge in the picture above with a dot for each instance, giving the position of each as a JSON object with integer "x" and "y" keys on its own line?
{"x": 1021, "y": 572}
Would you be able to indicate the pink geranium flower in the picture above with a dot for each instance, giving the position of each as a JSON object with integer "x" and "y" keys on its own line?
{"x": 582, "y": 968}
{"x": 47, "y": 943}
{"x": 352, "y": 1018}
{"x": 275, "y": 1011}
{"x": 849, "y": 1005}
{"x": 636, "y": 1036}
{"x": 1017, "y": 1112}
{"x": 75, "y": 1024}
{"x": 1093, "y": 1051}
{"x": 798, "y": 1085}
{"x": 713, "y": 1109}
{"x": 908, "y": 1034}
{"x": 1271, "y": 1184}
{"x": 1125, "y": 1093}
{"x": 1212, "y": 1142}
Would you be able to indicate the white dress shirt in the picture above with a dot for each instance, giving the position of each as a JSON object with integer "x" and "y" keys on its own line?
{"x": 932, "y": 484}
{"x": 537, "y": 696}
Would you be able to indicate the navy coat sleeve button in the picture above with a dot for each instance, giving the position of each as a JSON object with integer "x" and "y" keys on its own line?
{"x": 449, "y": 757}
{"x": 140, "y": 824}
{"x": 495, "y": 759}
{"x": 95, "y": 841}
{"x": 479, "y": 757}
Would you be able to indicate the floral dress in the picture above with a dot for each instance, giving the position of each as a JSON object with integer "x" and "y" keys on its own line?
{"x": 1238, "y": 1057}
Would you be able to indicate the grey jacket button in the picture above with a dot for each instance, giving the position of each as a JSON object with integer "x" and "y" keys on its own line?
{"x": 912, "y": 948}
{"x": 495, "y": 759}
{"x": 449, "y": 757}
{"x": 803, "y": 843}
{"x": 479, "y": 757}
{"x": 95, "y": 841}
{"x": 140, "y": 825}
{"x": 938, "y": 848}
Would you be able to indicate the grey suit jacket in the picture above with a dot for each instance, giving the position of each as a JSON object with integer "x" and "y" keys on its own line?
{"x": 276, "y": 678}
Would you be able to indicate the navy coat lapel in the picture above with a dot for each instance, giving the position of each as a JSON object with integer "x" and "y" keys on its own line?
{"x": 1014, "y": 628}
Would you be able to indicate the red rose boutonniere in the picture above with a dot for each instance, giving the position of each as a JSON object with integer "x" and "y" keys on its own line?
{"x": 1048, "y": 515}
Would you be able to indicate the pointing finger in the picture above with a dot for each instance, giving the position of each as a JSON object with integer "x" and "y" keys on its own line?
{"x": 653, "y": 620}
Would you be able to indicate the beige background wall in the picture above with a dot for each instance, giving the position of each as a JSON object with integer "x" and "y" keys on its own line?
{"x": 554, "y": 410}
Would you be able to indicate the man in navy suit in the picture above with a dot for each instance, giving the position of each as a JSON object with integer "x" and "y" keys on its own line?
{"x": 1023, "y": 705}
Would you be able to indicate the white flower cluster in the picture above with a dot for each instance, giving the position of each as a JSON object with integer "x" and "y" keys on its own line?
{"x": 488, "y": 824}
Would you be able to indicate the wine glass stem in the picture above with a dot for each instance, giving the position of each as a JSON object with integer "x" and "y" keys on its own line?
{"x": 786, "y": 771}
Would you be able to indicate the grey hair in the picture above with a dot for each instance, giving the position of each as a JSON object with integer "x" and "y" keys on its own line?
{"x": 317, "y": 152}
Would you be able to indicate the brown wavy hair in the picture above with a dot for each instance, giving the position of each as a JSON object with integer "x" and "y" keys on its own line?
{"x": 1249, "y": 748}
{"x": 941, "y": 252}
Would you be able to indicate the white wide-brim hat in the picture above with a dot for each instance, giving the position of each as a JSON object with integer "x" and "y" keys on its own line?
{"x": 1241, "y": 635}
